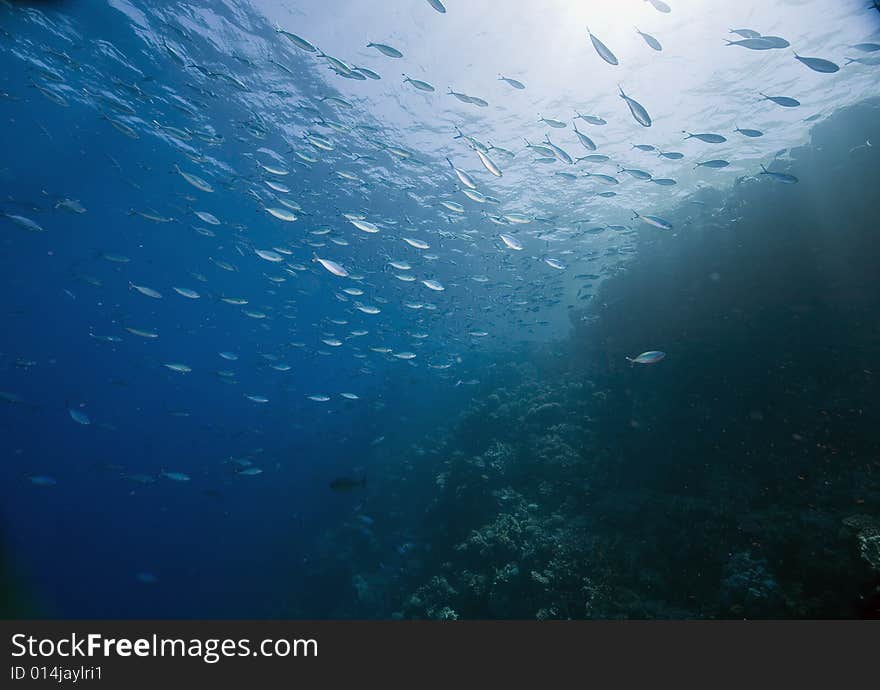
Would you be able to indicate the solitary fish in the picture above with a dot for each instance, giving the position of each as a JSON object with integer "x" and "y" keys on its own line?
{"x": 437, "y": 5}
{"x": 638, "y": 111}
{"x": 750, "y": 132}
{"x": 603, "y": 50}
{"x": 649, "y": 357}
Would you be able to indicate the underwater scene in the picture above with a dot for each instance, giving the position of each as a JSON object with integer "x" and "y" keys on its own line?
{"x": 423, "y": 309}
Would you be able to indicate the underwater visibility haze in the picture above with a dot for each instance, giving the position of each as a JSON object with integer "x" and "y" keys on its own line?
{"x": 423, "y": 309}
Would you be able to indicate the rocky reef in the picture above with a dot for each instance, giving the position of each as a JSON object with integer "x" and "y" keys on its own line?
{"x": 738, "y": 478}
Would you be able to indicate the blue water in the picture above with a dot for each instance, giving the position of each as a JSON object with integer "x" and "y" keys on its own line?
{"x": 97, "y": 543}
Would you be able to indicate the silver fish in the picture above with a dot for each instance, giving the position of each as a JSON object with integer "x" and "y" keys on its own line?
{"x": 603, "y": 50}
{"x": 637, "y": 109}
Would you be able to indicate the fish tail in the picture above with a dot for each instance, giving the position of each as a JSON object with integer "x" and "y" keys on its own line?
{"x": 730, "y": 43}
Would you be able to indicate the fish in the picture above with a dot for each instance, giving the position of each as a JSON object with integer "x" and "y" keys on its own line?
{"x": 142, "y": 333}
{"x": 655, "y": 221}
{"x": 749, "y": 132}
{"x": 602, "y": 49}
{"x": 331, "y": 266}
{"x": 714, "y": 163}
{"x": 347, "y": 483}
{"x": 753, "y": 43}
{"x": 650, "y": 40}
{"x": 147, "y": 291}
{"x": 269, "y": 255}
{"x": 556, "y": 124}
{"x": 660, "y": 6}
{"x": 585, "y": 141}
{"x": 248, "y": 471}
{"x": 194, "y": 180}
{"x": 298, "y": 41}
{"x": 558, "y": 152}
{"x": 708, "y": 138}
{"x": 607, "y": 179}
{"x": 785, "y": 178}
{"x": 818, "y": 64}
{"x": 416, "y": 243}
{"x": 591, "y": 119}
{"x": 41, "y": 480}
{"x": 281, "y": 214}
{"x": 636, "y": 109}
{"x": 784, "y": 101}
{"x": 649, "y": 357}
{"x": 636, "y": 173}
{"x": 24, "y": 222}
{"x": 419, "y": 84}
{"x": 512, "y": 82}
{"x": 437, "y": 5}
{"x": 179, "y": 368}
{"x": 386, "y": 50}
{"x": 175, "y": 476}
{"x": 79, "y": 416}
{"x": 872, "y": 60}
{"x": 511, "y": 242}
{"x": 488, "y": 163}
{"x": 462, "y": 176}
{"x": 207, "y": 217}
